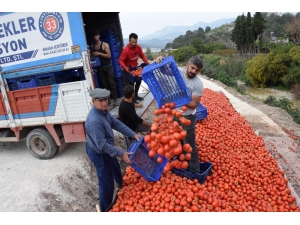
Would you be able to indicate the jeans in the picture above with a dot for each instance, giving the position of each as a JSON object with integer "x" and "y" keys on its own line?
{"x": 108, "y": 169}
{"x": 190, "y": 138}
{"x": 106, "y": 76}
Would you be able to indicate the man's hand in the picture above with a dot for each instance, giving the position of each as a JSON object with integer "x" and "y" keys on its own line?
{"x": 158, "y": 59}
{"x": 137, "y": 137}
{"x": 125, "y": 157}
{"x": 139, "y": 105}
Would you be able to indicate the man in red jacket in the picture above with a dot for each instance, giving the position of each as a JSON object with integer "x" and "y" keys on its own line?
{"x": 129, "y": 58}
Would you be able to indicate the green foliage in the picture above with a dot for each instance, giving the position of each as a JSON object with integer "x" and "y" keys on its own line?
{"x": 279, "y": 67}
{"x": 258, "y": 24}
{"x": 225, "y": 78}
{"x": 292, "y": 77}
{"x": 285, "y": 104}
{"x": 198, "y": 44}
{"x": 149, "y": 54}
{"x": 225, "y": 69}
{"x": 207, "y": 29}
{"x": 256, "y": 70}
{"x": 184, "y": 54}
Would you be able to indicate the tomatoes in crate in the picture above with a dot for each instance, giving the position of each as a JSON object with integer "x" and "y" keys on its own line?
{"x": 137, "y": 72}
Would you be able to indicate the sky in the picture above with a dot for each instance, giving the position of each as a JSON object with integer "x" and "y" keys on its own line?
{"x": 147, "y": 17}
{"x": 146, "y": 23}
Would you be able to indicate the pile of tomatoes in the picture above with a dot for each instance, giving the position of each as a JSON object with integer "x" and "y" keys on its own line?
{"x": 245, "y": 177}
{"x": 166, "y": 135}
{"x": 137, "y": 73}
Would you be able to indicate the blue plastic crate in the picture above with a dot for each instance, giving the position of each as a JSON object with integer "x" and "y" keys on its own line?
{"x": 26, "y": 82}
{"x": 107, "y": 32}
{"x": 205, "y": 170}
{"x": 49, "y": 79}
{"x": 201, "y": 112}
{"x": 95, "y": 62}
{"x": 119, "y": 86}
{"x": 134, "y": 79}
{"x": 12, "y": 84}
{"x": 166, "y": 83}
{"x": 147, "y": 167}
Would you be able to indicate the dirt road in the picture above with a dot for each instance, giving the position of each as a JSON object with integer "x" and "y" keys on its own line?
{"x": 68, "y": 182}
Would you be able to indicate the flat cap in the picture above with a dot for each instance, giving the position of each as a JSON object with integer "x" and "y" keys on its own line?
{"x": 99, "y": 93}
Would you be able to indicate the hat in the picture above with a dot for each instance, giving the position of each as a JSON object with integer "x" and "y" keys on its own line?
{"x": 99, "y": 93}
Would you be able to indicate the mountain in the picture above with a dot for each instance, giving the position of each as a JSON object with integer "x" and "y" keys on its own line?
{"x": 160, "y": 38}
{"x": 153, "y": 43}
{"x": 172, "y": 32}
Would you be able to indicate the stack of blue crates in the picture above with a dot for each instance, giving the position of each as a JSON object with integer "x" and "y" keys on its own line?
{"x": 26, "y": 82}
{"x": 109, "y": 37}
{"x": 12, "y": 84}
{"x": 52, "y": 78}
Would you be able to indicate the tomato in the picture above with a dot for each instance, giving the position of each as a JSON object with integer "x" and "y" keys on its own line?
{"x": 172, "y": 105}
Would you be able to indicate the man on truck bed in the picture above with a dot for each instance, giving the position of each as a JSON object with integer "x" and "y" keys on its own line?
{"x": 105, "y": 72}
{"x": 100, "y": 148}
{"x": 129, "y": 58}
{"x": 127, "y": 113}
{"x": 195, "y": 86}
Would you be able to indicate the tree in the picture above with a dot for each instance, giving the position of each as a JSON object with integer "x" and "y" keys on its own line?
{"x": 207, "y": 29}
{"x": 239, "y": 33}
{"x": 258, "y": 26}
{"x": 201, "y": 33}
{"x": 249, "y": 33}
{"x": 294, "y": 31}
{"x": 184, "y": 54}
{"x": 149, "y": 54}
{"x": 198, "y": 44}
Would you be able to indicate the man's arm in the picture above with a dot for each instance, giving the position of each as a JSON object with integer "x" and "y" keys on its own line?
{"x": 194, "y": 102}
{"x": 107, "y": 53}
{"x": 145, "y": 123}
{"x": 122, "y": 59}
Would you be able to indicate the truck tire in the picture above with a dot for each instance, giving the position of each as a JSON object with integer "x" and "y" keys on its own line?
{"x": 41, "y": 144}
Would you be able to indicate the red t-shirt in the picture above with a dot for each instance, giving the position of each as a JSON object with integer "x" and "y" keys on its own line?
{"x": 129, "y": 56}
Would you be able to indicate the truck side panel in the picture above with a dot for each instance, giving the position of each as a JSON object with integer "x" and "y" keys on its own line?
{"x": 39, "y": 39}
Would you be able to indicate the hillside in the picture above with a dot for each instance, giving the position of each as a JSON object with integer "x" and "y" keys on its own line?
{"x": 160, "y": 38}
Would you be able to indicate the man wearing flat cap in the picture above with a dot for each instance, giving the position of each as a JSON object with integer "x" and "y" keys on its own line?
{"x": 100, "y": 148}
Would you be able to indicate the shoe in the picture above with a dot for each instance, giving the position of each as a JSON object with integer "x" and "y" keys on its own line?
{"x": 118, "y": 186}
{"x": 139, "y": 98}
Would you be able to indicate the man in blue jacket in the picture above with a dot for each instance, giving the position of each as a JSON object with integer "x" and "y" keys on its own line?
{"x": 100, "y": 148}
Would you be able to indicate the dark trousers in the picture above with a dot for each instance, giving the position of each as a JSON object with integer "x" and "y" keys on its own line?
{"x": 190, "y": 138}
{"x": 108, "y": 169}
{"x": 137, "y": 87}
{"x": 106, "y": 76}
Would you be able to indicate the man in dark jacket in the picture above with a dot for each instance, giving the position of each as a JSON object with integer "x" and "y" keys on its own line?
{"x": 100, "y": 148}
{"x": 127, "y": 113}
